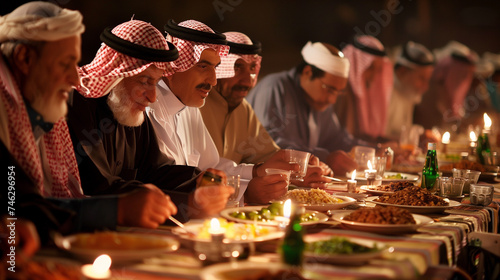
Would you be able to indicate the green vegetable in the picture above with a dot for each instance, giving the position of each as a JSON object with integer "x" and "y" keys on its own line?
{"x": 338, "y": 245}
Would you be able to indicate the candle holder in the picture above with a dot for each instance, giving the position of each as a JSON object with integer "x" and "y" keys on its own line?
{"x": 216, "y": 251}
{"x": 445, "y": 148}
{"x": 370, "y": 175}
{"x": 351, "y": 186}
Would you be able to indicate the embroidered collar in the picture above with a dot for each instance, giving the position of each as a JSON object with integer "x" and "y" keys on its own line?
{"x": 37, "y": 120}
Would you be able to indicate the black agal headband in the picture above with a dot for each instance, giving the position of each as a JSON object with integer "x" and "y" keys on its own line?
{"x": 188, "y": 34}
{"x": 367, "y": 49}
{"x": 406, "y": 55}
{"x": 236, "y": 48}
{"x": 137, "y": 51}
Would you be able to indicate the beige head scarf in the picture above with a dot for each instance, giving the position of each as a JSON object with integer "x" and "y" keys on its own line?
{"x": 30, "y": 22}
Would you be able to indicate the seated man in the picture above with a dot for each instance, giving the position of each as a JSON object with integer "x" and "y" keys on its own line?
{"x": 412, "y": 72}
{"x": 363, "y": 109}
{"x": 114, "y": 142}
{"x": 231, "y": 121}
{"x": 37, "y": 70}
{"x": 296, "y": 106}
{"x": 177, "y": 119}
{"x": 443, "y": 104}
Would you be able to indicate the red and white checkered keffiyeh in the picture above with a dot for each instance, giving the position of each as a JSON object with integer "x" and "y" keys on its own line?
{"x": 190, "y": 51}
{"x": 57, "y": 146}
{"x": 226, "y": 67}
{"x": 371, "y": 103}
{"x": 110, "y": 66}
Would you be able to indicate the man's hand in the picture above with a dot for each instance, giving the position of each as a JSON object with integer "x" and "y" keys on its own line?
{"x": 263, "y": 189}
{"x": 313, "y": 179}
{"x": 340, "y": 162}
{"x": 210, "y": 200}
{"x": 146, "y": 207}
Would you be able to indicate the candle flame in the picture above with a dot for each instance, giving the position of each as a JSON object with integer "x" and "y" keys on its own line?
{"x": 287, "y": 208}
{"x": 487, "y": 121}
{"x": 353, "y": 176}
{"x": 214, "y": 224}
{"x": 101, "y": 264}
{"x": 446, "y": 138}
{"x": 369, "y": 165}
{"x": 472, "y": 136}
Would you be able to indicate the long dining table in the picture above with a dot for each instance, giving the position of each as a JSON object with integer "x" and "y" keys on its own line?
{"x": 431, "y": 252}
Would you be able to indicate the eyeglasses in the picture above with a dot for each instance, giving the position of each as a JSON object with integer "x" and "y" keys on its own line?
{"x": 330, "y": 89}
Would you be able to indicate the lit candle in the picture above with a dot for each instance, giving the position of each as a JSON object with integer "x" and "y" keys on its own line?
{"x": 217, "y": 233}
{"x": 487, "y": 122}
{"x": 370, "y": 173}
{"x": 99, "y": 269}
{"x": 287, "y": 211}
{"x": 351, "y": 184}
{"x": 445, "y": 140}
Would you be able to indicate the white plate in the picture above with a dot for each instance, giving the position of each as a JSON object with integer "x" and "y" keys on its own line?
{"x": 382, "y": 228}
{"x": 360, "y": 176}
{"x": 418, "y": 209}
{"x": 373, "y": 190}
{"x": 406, "y": 177}
{"x": 226, "y": 214}
{"x": 273, "y": 233}
{"x": 330, "y": 206}
{"x": 164, "y": 244}
{"x": 241, "y": 270}
{"x": 345, "y": 259}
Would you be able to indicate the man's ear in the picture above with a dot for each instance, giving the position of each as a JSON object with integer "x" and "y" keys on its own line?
{"x": 23, "y": 57}
{"x": 307, "y": 72}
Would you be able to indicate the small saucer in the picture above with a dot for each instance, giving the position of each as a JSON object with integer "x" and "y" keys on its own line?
{"x": 455, "y": 198}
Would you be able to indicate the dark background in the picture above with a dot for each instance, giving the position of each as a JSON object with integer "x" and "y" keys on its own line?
{"x": 284, "y": 27}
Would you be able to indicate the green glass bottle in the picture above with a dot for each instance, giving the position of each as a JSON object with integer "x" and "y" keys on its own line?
{"x": 292, "y": 248}
{"x": 483, "y": 148}
{"x": 430, "y": 171}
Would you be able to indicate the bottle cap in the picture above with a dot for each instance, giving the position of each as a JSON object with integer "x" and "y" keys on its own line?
{"x": 431, "y": 146}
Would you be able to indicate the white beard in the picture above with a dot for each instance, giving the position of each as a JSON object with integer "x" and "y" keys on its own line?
{"x": 121, "y": 106}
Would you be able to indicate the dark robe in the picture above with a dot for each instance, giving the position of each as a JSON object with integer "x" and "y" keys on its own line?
{"x": 51, "y": 214}
{"x": 114, "y": 159}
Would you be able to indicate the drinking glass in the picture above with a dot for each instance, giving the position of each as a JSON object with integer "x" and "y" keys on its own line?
{"x": 302, "y": 159}
{"x": 233, "y": 181}
{"x": 481, "y": 194}
{"x": 362, "y": 155}
{"x": 379, "y": 164}
{"x": 451, "y": 186}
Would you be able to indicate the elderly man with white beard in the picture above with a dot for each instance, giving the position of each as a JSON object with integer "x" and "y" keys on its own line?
{"x": 412, "y": 72}
{"x": 114, "y": 142}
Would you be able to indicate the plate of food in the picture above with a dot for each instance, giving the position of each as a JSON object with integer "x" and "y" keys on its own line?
{"x": 234, "y": 232}
{"x": 397, "y": 176}
{"x": 268, "y": 215}
{"x": 415, "y": 200}
{"x": 316, "y": 199}
{"x": 341, "y": 250}
{"x": 120, "y": 246}
{"x": 49, "y": 268}
{"x": 387, "y": 177}
{"x": 387, "y": 188}
{"x": 382, "y": 220}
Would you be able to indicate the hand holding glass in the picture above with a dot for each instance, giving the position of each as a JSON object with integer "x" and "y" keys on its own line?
{"x": 302, "y": 159}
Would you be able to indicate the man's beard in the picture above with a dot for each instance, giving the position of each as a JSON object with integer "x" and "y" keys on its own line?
{"x": 121, "y": 106}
